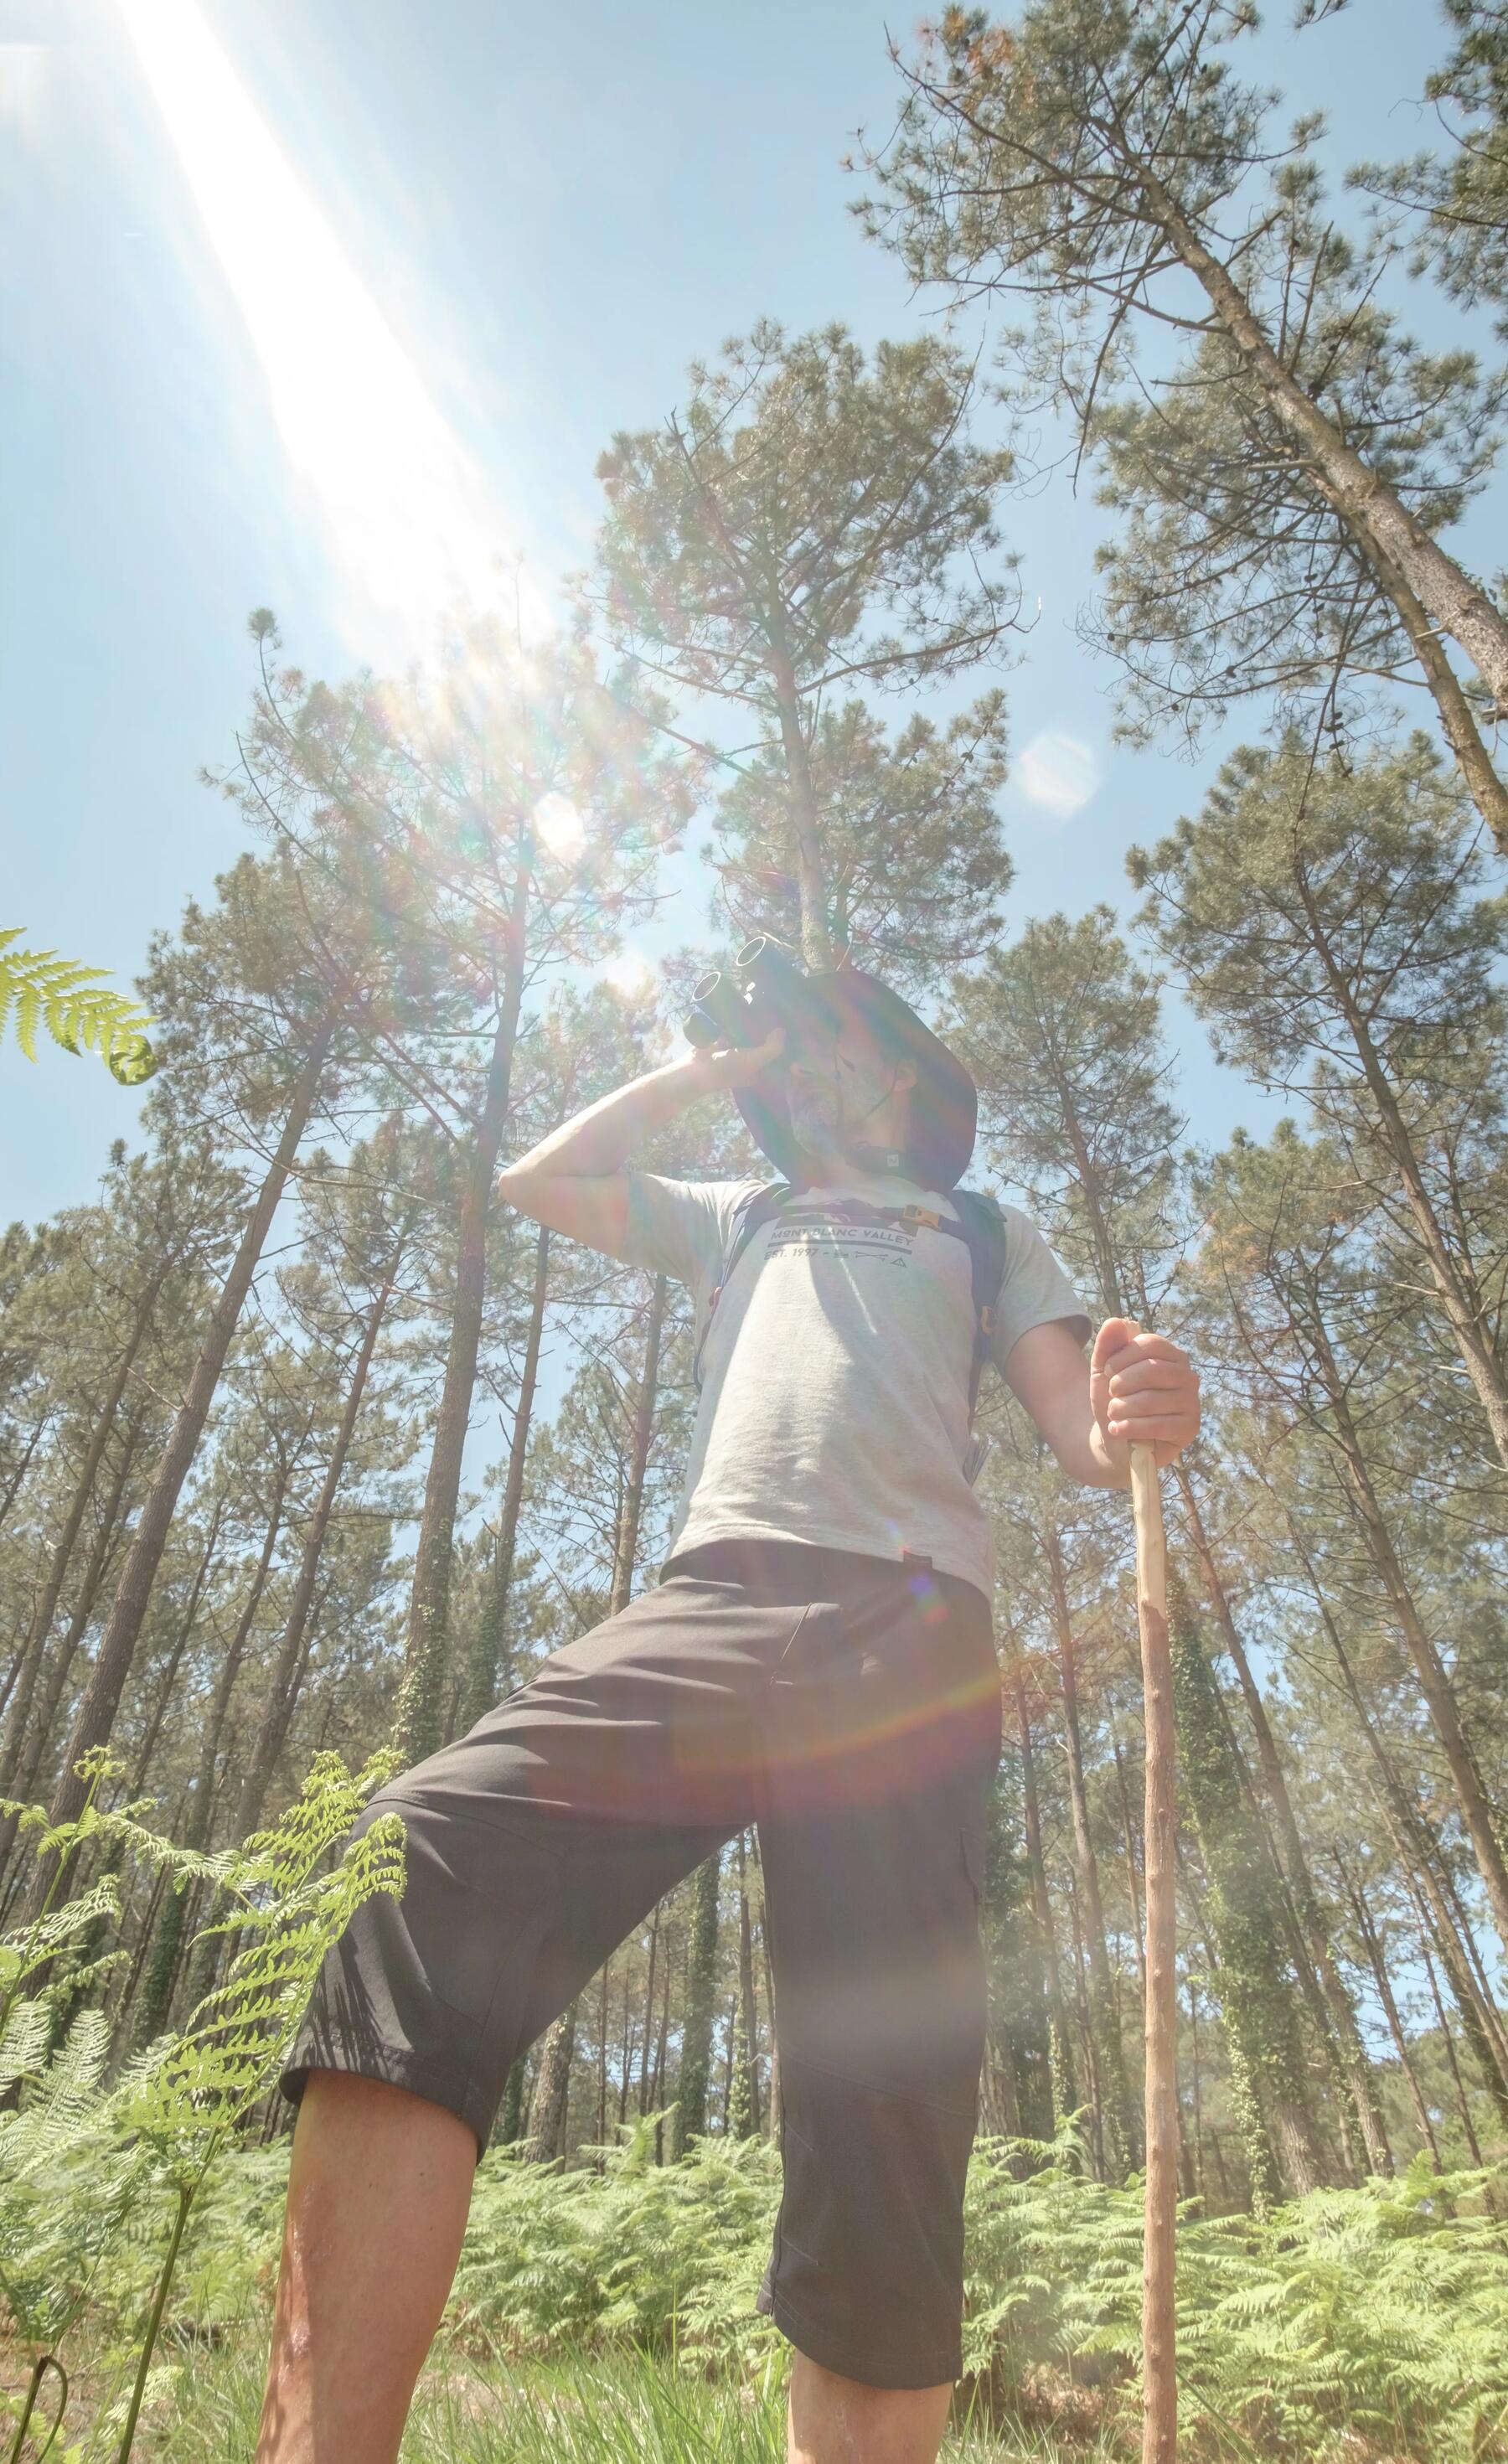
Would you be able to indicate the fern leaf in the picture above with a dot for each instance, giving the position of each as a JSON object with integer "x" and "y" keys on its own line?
{"x": 76, "y": 1006}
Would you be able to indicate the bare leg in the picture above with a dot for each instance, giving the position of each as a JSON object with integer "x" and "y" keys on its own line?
{"x": 836, "y": 2420}
{"x": 377, "y": 2204}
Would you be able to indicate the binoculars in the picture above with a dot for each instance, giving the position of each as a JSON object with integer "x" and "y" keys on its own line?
{"x": 764, "y": 989}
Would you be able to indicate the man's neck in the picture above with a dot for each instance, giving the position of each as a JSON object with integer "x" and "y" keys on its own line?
{"x": 861, "y": 1161}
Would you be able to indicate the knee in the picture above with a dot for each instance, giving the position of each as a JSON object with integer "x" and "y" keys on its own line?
{"x": 837, "y": 2420}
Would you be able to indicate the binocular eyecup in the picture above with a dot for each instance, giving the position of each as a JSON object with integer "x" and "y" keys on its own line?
{"x": 765, "y": 989}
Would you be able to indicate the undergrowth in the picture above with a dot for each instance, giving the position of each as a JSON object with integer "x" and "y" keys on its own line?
{"x": 103, "y": 2179}
{"x": 1350, "y": 2325}
{"x": 609, "y": 2311}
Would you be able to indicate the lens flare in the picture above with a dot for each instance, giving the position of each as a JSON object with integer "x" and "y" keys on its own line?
{"x": 630, "y": 974}
{"x": 558, "y": 825}
{"x": 411, "y": 522}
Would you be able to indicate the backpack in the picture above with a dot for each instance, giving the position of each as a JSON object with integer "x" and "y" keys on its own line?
{"x": 980, "y": 1227}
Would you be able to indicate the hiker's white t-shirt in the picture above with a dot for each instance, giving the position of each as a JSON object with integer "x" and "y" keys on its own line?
{"x": 834, "y": 1370}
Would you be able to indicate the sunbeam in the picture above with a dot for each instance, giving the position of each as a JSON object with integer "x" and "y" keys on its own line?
{"x": 411, "y": 522}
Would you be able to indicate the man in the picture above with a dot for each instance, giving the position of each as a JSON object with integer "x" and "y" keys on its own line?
{"x": 817, "y": 1658}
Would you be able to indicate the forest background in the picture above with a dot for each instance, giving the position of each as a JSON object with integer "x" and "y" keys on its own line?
{"x": 882, "y": 633}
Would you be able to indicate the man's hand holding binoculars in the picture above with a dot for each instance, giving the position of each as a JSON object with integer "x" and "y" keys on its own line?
{"x": 733, "y": 1065}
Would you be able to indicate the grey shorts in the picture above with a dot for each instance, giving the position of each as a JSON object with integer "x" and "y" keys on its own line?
{"x": 851, "y": 1710}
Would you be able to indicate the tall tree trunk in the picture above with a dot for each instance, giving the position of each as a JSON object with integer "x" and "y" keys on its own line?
{"x": 1256, "y": 1996}
{"x": 482, "y": 1683}
{"x": 1461, "y": 1933}
{"x": 625, "y": 2066}
{"x": 1125, "y": 2121}
{"x": 1465, "y": 1309}
{"x": 1417, "y": 1852}
{"x": 162, "y": 1966}
{"x": 1372, "y": 511}
{"x": 1434, "y": 1914}
{"x": 602, "y": 2057}
{"x": 626, "y": 1547}
{"x": 806, "y": 829}
{"x": 1464, "y": 2101}
{"x": 180, "y": 1645}
{"x": 1133, "y": 1882}
{"x": 417, "y": 1720}
{"x": 97, "y": 1712}
{"x": 1063, "y": 2082}
{"x": 1356, "y": 2084}
{"x": 1439, "y": 1693}
{"x": 661, "y": 2047}
{"x": 104, "y": 1540}
{"x": 545, "y": 2138}
{"x": 13, "y": 1485}
{"x": 701, "y": 1985}
{"x": 648, "y": 2034}
{"x": 1377, "y": 1962}
{"x": 1457, "y": 721}
{"x": 271, "y": 1729}
{"x": 748, "y": 2005}
{"x": 46, "y": 1608}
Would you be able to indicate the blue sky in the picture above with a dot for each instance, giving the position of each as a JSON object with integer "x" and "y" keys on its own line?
{"x": 547, "y": 214}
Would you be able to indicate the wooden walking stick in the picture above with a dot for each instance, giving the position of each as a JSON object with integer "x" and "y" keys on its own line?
{"x": 1159, "y": 2367}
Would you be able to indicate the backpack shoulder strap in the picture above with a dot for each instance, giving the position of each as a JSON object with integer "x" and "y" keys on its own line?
{"x": 756, "y": 1207}
{"x": 982, "y": 1227}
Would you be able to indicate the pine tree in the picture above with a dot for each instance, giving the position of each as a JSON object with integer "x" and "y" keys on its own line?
{"x": 1098, "y": 164}
{"x": 801, "y": 526}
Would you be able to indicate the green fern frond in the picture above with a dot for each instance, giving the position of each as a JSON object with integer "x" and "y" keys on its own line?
{"x": 37, "y": 988}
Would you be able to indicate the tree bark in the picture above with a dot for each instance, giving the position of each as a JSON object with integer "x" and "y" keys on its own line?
{"x": 97, "y": 1712}
{"x": 1356, "y": 2084}
{"x": 649, "y": 2029}
{"x": 180, "y": 1645}
{"x": 1463, "y": 2101}
{"x": 67, "y": 1651}
{"x": 1378, "y": 1965}
{"x": 1256, "y": 1997}
{"x": 1132, "y": 1877}
{"x": 1459, "y": 1298}
{"x": 626, "y": 1547}
{"x": 602, "y": 2057}
{"x": 1063, "y": 2082}
{"x": 1457, "y": 722}
{"x": 661, "y": 2047}
{"x": 748, "y": 2005}
{"x": 696, "y": 2032}
{"x": 1105, "y": 2022}
{"x": 417, "y": 1720}
{"x": 46, "y": 1609}
{"x": 1372, "y": 511}
{"x": 1416, "y": 1850}
{"x": 545, "y": 2139}
{"x": 806, "y": 829}
{"x": 13, "y": 1486}
{"x": 1439, "y": 1693}
{"x": 278, "y": 1710}
{"x": 162, "y": 1967}
{"x": 484, "y": 1671}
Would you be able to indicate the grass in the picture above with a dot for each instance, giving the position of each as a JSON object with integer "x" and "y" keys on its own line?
{"x": 625, "y": 2409}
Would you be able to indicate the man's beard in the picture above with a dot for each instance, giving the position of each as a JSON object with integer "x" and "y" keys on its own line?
{"x": 817, "y": 1117}
{"x": 831, "y": 1119}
